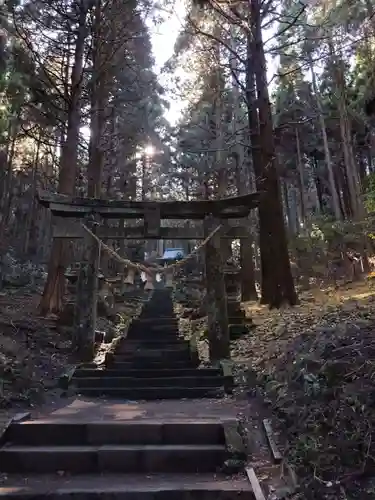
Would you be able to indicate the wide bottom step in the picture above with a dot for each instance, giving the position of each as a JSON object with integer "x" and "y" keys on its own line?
{"x": 127, "y": 382}
{"x": 142, "y": 373}
{"x": 146, "y": 364}
{"x": 127, "y": 487}
{"x": 153, "y": 393}
{"x": 112, "y": 458}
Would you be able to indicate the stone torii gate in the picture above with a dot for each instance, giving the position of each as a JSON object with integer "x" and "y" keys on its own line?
{"x": 93, "y": 212}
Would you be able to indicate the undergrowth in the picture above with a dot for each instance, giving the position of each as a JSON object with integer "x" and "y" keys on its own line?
{"x": 316, "y": 367}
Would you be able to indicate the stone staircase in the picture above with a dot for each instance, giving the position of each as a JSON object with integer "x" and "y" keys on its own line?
{"x": 126, "y": 460}
{"x": 102, "y": 456}
{"x": 152, "y": 362}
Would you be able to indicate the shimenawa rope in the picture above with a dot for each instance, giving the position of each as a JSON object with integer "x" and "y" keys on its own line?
{"x": 155, "y": 268}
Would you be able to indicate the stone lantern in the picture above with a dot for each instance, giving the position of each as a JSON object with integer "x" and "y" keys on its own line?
{"x": 72, "y": 277}
{"x": 232, "y": 277}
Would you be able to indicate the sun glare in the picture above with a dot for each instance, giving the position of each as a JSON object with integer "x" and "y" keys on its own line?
{"x": 149, "y": 150}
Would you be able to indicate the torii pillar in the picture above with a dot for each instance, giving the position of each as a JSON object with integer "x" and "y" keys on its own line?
{"x": 216, "y": 298}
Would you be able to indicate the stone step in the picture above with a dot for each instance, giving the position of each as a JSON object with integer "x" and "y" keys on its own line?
{"x": 55, "y": 432}
{"x": 164, "y": 306}
{"x": 112, "y": 458}
{"x": 156, "y": 317}
{"x": 127, "y": 382}
{"x": 153, "y": 393}
{"x": 127, "y": 487}
{"x": 150, "y": 364}
{"x": 150, "y": 321}
{"x": 150, "y": 318}
{"x": 155, "y": 329}
{"x": 154, "y": 355}
{"x": 152, "y": 343}
{"x": 154, "y": 325}
{"x": 146, "y": 335}
{"x": 164, "y": 373}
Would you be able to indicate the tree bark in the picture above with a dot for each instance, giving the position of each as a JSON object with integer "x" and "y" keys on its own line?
{"x": 351, "y": 169}
{"x": 327, "y": 154}
{"x": 7, "y": 197}
{"x": 87, "y": 298}
{"x": 31, "y": 214}
{"x": 53, "y": 293}
{"x": 246, "y": 250}
{"x": 277, "y": 280}
{"x": 301, "y": 178}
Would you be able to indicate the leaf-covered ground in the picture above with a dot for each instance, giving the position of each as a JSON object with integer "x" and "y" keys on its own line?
{"x": 315, "y": 366}
{"x": 33, "y": 353}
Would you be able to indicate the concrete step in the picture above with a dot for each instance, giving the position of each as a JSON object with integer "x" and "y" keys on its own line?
{"x": 153, "y": 393}
{"x": 112, "y": 458}
{"x": 151, "y": 364}
{"x": 56, "y": 432}
{"x": 127, "y": 487}
{"x": 163, "y": 373}
{"x": 127, "y": 382}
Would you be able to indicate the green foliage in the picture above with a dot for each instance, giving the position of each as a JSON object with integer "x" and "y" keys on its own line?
{"x": 370, "y": 192}
{"x": 326, "y": 236}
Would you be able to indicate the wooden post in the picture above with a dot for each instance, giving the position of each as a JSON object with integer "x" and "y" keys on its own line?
{"x": 218, "y": 333}
{"x": 87, "y": 295}
{"x": 129, "y": 280}
{"x": 149, "y": 282}
{"x": 152, "y": 222}
{"x": 169, "y": 279}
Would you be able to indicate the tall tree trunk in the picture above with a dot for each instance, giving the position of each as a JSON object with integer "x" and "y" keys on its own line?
{"x": 4, "y": 152}
{"x": 95, "y": 168}
{"x": 219, "y": 168}
{"x": 351, "y": 169}
{"x": 277, "y": 280}
{"x": 342, "y": 187}
{"x": 7, "y": 197}
{"x": 327, "y": 154}
{"x": 98, "y": 107}
{"x": 31, "y": 214}
{"x": 54, "y": 288}
{"x": 301, "y": 178}
{"x": 246, "y": 245}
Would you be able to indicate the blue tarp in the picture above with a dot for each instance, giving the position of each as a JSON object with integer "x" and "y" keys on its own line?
{"x": 173, "y": 254}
